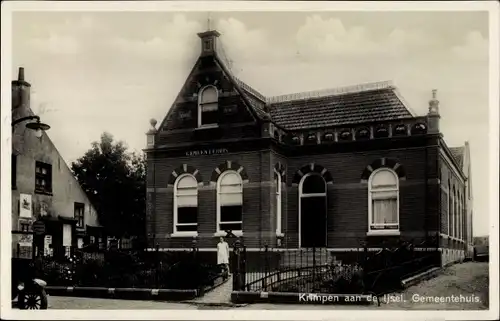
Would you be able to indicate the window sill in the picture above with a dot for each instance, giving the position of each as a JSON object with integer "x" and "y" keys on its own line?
{"x": 224, "y": 234}
{"x": 43, "y": 192}
{"x": 184, "y": 234}
{"x": 383, "y": 233}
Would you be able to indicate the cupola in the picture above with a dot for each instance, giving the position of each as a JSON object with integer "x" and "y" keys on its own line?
{"x": 208, "y": 42}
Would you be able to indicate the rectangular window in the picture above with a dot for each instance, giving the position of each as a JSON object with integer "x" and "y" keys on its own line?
{"x": 231, "y": 218}
{"x": 14, "y": 171}
{"x": 43, "y": 177}
{"x": 79, "y": 214}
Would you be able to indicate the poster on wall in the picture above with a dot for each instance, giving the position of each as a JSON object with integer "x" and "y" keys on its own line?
{"x": 26, "y": 240}
{"x": 25, "y": 205}
{"x": 47, "y": 242}
{"x": 67, "y": 235}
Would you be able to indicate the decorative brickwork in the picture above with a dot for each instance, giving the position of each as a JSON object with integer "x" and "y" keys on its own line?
{"x": 315, "y": 168}
{"x": 383, "y": 162}
{"x": 185, "y": 169}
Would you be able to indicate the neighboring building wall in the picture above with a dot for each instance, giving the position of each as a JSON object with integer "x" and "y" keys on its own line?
{"x": 28, "y": 149}
{"x": 454, "y": 222}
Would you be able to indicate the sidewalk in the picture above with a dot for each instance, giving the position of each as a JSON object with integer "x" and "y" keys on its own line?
{"x": 220, "y": 295}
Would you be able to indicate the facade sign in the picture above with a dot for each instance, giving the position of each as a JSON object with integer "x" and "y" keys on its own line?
{"x": 206, "y": 152}
{"x": 25, "y": 206}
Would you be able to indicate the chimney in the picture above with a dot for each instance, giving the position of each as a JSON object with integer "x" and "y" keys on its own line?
{"x": 208, "y": 42}
{"x": 20, "y": 92}
{"x": 433, "y": 114}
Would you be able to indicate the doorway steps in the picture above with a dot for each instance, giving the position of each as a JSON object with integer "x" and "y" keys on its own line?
{"x": 305, "y": 258}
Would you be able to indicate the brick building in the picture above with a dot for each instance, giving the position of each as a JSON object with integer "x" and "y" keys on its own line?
{"x": 326, "y": 169}
{"x": 44, "y": 188}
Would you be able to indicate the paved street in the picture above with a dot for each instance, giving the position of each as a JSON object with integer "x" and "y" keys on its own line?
{"x": 465, "y": 279}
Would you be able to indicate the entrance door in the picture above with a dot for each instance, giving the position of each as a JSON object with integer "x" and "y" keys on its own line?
{"x": 313, "y": 209}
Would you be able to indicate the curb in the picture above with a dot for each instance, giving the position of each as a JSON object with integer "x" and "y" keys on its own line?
{"x": 123, "y": 293}
{"x": 239, "y": 297}
{"x": 429, "y": 274}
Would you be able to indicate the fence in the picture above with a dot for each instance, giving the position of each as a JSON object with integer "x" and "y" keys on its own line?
{"x": 135, "y": 269}
{"x": 319, "y": 271}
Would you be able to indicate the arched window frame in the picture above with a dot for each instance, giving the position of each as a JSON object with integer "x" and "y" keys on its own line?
{"x": 219, "y": 231}
{"x": 278, "y": 182}
{"x": 306, "y": 195}
{"x": 392, "y": 228}
{"x": 461, "y": 217}
{"x": 202, "y": 103}
{"x": 450, "y": 208}
{"x": 454, "y": 212}
{"x": 176, "y": 208}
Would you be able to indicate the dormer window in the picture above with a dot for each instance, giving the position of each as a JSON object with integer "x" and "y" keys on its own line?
{"x": 208, "y": 107}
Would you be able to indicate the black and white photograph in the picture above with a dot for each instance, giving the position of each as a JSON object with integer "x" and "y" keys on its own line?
{"x": 249, "y": 160}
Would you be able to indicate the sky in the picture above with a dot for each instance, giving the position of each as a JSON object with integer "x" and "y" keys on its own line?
{"x": 113, "y": 71}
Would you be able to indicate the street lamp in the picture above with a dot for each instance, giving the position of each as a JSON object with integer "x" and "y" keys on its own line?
{"x": 37, "y": 126}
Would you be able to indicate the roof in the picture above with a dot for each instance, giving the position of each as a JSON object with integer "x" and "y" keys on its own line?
{"x": 334, "y": 110}
{"x": 458, "y": 155}
{"x": 327, "y": 108}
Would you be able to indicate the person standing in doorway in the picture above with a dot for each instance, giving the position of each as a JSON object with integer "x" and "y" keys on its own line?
{"x": 223, "y": 253}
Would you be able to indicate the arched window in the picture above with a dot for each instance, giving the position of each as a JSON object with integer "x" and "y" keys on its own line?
{"x": 208, "y": 106}
{"x": 312, "y": 211}
{"x": 450, "y": 209}
{"x": 461, "y": 217}
{"x": 229, "y": 202}
{"x": 383, "y": 197}
{"x": 277, "y": 182}
{"x": 454, "y": 216}
{"x": 186, "y": 205}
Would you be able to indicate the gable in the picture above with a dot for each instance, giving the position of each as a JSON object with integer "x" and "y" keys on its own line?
{"x": 233, "y": 108}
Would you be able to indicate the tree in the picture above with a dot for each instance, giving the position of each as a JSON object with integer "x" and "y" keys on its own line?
{"x": 115, "y": 182}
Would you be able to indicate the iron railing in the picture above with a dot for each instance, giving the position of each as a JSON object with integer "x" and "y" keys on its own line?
{"x": 135, "y": 269}
{"x": 318, "y": 270}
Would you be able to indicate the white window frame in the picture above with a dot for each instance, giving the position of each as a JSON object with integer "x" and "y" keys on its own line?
{"x": 461, "y": 218}
{"x": 370, "y": 201}
{"x": 200, "y": 104}
{"x": 452, "y": 212}
{"x": 278, "y": 203}
{"x": 176, "y": 213}
{"x": 302, "y": 195}
{"x": 450, "y": 205}
{"x": 220, "y": 232}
